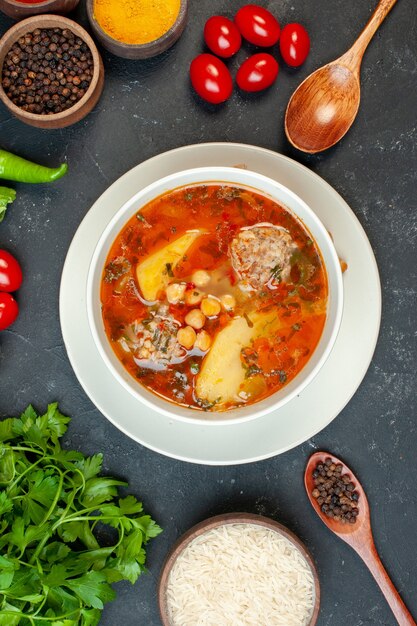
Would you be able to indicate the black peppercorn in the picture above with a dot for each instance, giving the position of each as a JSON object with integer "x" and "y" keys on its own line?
{"x": 335, "y": 492}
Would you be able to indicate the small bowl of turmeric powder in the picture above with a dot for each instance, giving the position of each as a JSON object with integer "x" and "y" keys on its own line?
{"x": 137, "y": 29}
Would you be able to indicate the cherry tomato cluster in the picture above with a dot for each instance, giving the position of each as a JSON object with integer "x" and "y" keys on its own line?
{"x": 10, "y": 280}
{"x": 210, "y": 76}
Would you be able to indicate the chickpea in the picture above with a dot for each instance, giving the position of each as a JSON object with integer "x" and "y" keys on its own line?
{"x": 175, "y": 292}
{"x": 186, "y": 337}
{"x": 195, "y": 318}
{"x": 228, "y": 302}
{"x": 193, "y": 297}
{"x": 203, "y": 341}
{"x": 210, "y": 306}
{"x": 200, "y": 278}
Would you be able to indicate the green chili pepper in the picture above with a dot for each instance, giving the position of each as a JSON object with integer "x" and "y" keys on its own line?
{"x": 6, "y": 197}
{"x": 15, "y": 168}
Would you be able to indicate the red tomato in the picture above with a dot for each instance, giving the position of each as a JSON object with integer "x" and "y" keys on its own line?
{"x": 211, "y": 79}
{"x": 257, "y": 25}
{"x": 222, "y": 36}
{"x": 258, "y": 72}
{"x": 8, "y": 310}
{"x": 10, "y": 272}
{"x": 294, "y": 44}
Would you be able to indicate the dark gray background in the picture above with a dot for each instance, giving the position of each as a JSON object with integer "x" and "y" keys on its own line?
{"x": 147, "y": 108}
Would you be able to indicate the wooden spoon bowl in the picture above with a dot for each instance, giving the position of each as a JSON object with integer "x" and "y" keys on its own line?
{"x": 358, "y": 535}
{"x": 333, "y": 97}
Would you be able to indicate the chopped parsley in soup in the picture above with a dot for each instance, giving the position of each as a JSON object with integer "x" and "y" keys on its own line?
{"x": 214, "y": 296}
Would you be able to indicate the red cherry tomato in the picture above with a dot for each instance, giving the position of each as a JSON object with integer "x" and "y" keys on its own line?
{"x": 10, "y": 272}
{"x": 294, "y": 44}
{"x": 8, "y": 310}
{"x": 258, "y": 72}
{"x": 211, "y": 79}
{"x": 257, "y": 25}
{"x": 222, "y": 36}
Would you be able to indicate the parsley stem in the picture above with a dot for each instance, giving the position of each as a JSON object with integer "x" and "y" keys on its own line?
{"x": 25, "y": 449}
{"x": 56, "y": 497}
{"x": 81, "y": 518}
{"x": 38, "y": 617}
{"x": 80, "y": 511}
{"x": 26, "y": 564}
{"x": 40, "y": 607}
{"x": 20, "y": 476}
{"x": 40, "y": 547}
{"x": 72, "y": 497}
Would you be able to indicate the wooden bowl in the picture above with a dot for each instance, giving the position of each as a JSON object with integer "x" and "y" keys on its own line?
{"x": 80, "y": 108}
{"x": 139, "y": 51}
{"x": 220, "y": 520}
{"x": 18, "y": 10}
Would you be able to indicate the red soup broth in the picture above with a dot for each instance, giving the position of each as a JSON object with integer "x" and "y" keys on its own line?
{"x": 213, "y": 296}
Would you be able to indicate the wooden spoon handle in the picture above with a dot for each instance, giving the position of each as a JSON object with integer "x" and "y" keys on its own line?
{"x": 353, "y": 57}
{"x": 369, "y": 555}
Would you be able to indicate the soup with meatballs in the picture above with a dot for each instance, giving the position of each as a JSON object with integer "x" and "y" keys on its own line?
{"x": 214, "y": 296}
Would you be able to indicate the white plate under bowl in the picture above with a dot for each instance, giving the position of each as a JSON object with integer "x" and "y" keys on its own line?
{"x": 299, "y": 419}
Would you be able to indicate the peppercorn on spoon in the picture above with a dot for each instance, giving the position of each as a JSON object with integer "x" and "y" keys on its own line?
{"x": 358, "y": 535}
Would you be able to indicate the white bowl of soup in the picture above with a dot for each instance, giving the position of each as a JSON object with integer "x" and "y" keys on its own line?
{"x": 215, "y": 294}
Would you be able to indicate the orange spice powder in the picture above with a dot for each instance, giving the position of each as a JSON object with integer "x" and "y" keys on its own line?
{"x": 136, "y": 21}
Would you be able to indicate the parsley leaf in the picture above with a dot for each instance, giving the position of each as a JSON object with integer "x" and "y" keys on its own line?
{"x": 7, "y": 196}
{"x": 92, "y": 588}
{"x": 90, "y": 466}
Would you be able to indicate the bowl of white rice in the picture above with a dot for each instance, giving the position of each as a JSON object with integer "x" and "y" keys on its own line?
{"x": 239, "y": 569}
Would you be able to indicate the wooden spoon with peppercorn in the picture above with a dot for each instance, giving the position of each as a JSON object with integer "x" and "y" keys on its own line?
{"x": 341, "y": 503}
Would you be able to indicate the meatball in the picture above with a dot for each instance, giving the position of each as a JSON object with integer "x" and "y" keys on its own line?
{"x": 154, "y": 339}
{"x": 261, "y": 254}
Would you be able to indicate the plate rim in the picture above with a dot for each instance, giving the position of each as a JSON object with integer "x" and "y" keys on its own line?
{"x": 317, "y": 180}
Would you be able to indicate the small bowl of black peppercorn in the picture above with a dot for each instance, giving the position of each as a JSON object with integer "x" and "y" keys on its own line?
{"x": 51, "y": 73}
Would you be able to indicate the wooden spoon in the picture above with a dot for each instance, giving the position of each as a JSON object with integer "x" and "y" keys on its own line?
{"x": 359, "y": 536}
{"x": 323, "y": 108}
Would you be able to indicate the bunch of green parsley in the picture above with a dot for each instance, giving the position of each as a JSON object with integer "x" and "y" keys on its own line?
{"x": 65, "y": 536}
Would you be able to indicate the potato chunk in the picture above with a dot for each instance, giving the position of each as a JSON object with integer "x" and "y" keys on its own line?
{"x": 222, "y": 374}
{"x": 153, "y": 272}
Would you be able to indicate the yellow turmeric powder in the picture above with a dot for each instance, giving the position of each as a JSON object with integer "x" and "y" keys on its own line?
{"x": 136, "y": 21}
